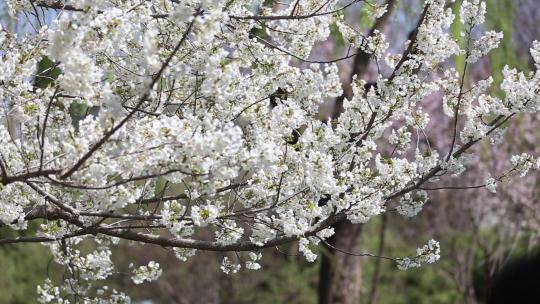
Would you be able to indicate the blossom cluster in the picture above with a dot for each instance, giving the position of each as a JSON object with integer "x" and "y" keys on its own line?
{"x": 429, "y": 253}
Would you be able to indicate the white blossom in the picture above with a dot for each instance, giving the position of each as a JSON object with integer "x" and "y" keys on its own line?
{"x": 523, "y": 163}
{"x": 410, "y": 205}
{"x": 204, "y": 215}
{"x": 252, "y": 263}
{"x": 184, "y": 253}
{"x": 473, "y": 12}
{"x": 491, "y": 185}
{"x": 484, "y": 45}
{"x": 303, "y": 246}
{"x": 429, "y": 253}
{"x": 146, "y": 273}
{"x": 228, "y": 267}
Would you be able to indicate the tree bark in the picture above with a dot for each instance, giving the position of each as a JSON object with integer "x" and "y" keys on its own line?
{"x": 377, "y": 273}
{"x": 340, "y": 274}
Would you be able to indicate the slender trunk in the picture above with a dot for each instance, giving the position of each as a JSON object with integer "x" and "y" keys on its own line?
{"x": 377, "y": 273}
{"x": 340, "y": 275}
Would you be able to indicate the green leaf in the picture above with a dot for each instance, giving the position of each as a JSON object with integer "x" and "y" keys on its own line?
{"x": 337, "y": 37}
{"x": 47, "y": 73}
{"x": 161, "y": 183}
{"x": 456, "y": 30}
{"x": 500, "y": 17}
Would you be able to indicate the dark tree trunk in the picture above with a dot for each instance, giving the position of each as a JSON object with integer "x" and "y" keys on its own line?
{"x": 340, "y": 274}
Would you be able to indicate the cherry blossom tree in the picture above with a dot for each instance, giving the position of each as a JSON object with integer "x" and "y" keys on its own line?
{"x": 157, "y": 122}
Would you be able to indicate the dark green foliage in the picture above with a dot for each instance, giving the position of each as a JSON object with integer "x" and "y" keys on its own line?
{"x": 294, "y": 281}
{"x": 500, "y": 17}
{"x": 425, "y": 285}
{"x": 23, "y": 267}
{"x": 47, "y": 73}
{"x": 337, "y": 37}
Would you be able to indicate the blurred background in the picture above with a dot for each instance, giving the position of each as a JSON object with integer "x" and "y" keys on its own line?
{"x": 478, "y": 231}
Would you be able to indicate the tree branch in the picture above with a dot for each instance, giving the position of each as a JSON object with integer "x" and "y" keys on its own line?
{"x": 144, "y": 98}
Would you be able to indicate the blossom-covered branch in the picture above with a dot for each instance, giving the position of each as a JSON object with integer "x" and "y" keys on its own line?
{"x": 153, "y": 122}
